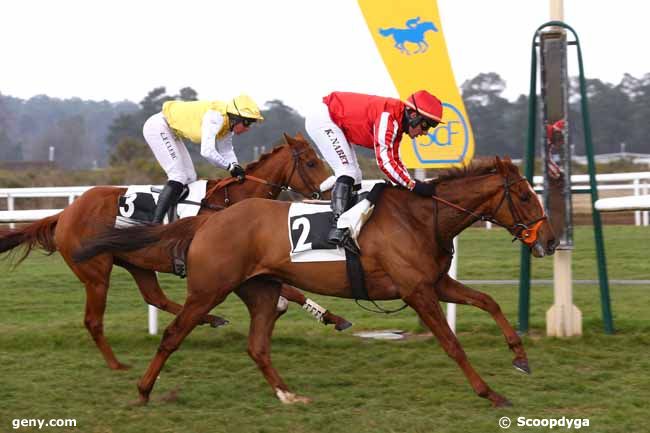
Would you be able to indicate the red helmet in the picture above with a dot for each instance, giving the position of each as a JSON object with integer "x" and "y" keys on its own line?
{"x": 426, "y": 104}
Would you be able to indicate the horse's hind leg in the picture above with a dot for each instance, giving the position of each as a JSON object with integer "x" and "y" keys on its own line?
{"x": 261, "y": 297}
{"x": 153, "y": 295}
{"x": 196, "y": 306}
{"x": 95, "y": 275}
{"x": 450, "y": 290}
{"x": 425, "y": 302}
{"x": 328, "y": 318}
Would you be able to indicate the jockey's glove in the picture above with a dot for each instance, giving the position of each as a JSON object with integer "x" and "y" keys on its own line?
{"x": 237, "y": 171}
{"x": 424, "y": 189}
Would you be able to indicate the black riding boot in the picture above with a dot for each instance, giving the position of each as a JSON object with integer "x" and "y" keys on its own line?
{"x": 168, "y": 196}
{"x": 341, "y": 194}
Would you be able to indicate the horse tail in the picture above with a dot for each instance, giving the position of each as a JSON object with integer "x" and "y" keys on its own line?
{"x": 39, "y": 234}
{"x": 123, "y": 240}
{"x": 387, "y": 32}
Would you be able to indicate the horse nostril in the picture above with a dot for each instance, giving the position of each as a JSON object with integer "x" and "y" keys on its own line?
{"x": 552, "y": 244}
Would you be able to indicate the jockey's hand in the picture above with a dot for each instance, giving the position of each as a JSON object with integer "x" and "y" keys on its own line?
{"x": 237, "y": 171}
{"x": 424, "y": 189}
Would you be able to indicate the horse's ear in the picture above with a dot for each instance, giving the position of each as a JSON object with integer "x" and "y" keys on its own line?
{"x": 299, "y": 137}
{"x": 287, "y": 138}
{"x": 501, "y": 168}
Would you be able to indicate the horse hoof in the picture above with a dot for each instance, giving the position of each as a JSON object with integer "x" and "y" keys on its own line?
{"x": 218, "y": 321}
{"x": 521, "y": 365}
{"x": 502, "y": 403}
{"x": 342, "y": 325}
{"x": 287, "y": 397}
{"x": 141, "y": 401}
{"x": 120, "y": 367}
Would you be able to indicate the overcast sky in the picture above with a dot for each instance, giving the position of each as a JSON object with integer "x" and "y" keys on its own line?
{"x": 294, "y": 50}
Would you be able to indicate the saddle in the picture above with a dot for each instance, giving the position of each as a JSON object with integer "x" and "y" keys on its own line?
{"x": 309, "y": 224}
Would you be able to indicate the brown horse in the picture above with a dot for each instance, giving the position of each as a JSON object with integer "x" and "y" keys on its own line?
{"x": 293, "y": 165}
{"x": 406, "y": 253}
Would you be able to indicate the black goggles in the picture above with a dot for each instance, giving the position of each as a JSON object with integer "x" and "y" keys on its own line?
{"x": 428, "y": 124}
{"x": 247, "y": 122}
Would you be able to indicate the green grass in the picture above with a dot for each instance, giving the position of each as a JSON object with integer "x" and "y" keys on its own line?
{"x": 50, "y": 368}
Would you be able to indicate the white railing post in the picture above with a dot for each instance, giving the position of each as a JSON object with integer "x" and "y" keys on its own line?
{"x": 646, "y": 214}
{"x": 637, "y": 191}
{"x": 10, "y": 207}
{"x": 71, "y": 199}
{"x": 453, "y": 273}
{"x": 153, "y": 320}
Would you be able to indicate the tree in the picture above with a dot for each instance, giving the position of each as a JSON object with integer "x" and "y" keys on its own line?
{"x": 488, "y": 111}
{"x": 129, "y": 150}
{"x": 9, "y": 150}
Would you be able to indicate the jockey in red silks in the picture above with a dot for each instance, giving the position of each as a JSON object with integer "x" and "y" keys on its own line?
{"x": 374, "y": 122}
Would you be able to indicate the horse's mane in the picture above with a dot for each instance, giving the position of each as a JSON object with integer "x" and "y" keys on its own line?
{"x": 264, "y": 156}
{"x": 476, "y": 167}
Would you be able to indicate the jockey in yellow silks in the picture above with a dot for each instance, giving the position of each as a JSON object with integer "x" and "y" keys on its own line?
{"x": 211, "y": 124}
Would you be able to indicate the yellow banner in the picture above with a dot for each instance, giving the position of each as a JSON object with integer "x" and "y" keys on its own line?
{"x": 409, "y": 36}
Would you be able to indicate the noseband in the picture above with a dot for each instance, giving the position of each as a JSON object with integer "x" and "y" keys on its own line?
{"x": 525, "y": 232}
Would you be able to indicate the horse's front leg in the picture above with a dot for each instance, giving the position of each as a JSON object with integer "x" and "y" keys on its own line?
{"x": 321, "y": 314}
{"x": 450, "y": 290}
{"x": 196, "y": 307}
{"x": 261, "y": 298}
{"x": 153, "y": 294}
{"x": 425, "y": 302}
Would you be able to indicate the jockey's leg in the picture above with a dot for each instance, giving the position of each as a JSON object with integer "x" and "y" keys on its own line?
{"x": 173, "y": 157}
{"x": 336, "y": 150}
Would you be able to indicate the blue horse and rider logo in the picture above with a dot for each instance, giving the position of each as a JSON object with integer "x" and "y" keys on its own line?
{"x": 414, "y": 33}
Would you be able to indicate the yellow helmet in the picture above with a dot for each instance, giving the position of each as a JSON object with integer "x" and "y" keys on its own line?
{"x": 244, "y": 106}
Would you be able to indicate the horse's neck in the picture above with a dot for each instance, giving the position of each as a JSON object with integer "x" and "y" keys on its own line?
{"x": 271, "y": 169}
{"x": 475, "y": 194}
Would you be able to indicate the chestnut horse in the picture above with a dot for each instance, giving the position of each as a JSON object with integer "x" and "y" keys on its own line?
{"x": 406, "y": 253}
{"x": 293, "y": 165}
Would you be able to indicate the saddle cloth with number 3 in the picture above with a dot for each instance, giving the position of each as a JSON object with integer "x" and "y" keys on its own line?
{"x": 139, "y": 203}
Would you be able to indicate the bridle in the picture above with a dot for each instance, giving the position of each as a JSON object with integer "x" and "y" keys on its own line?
{"x": 296, "y": 168}
{"x": 525, "y": 232}
{"x": 315, "y": 190}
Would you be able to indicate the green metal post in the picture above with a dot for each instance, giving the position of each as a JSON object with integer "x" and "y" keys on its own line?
{"x": 605, "y": 302}
{"x": 529, "y": 171}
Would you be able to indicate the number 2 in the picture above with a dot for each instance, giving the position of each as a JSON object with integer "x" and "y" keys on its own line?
{"x": 301, "y": 245}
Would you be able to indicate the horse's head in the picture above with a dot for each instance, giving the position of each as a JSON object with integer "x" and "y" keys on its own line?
{"x": 305, "y": 171}
{"x": 518, "y": 209}
{"x": 427, "y": 25}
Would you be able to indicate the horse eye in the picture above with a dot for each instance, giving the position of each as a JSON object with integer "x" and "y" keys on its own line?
{"x": 311, "y": 164}
{"x": 525, "y": 196}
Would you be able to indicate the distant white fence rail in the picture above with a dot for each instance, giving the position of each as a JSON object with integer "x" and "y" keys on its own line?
{"x": 637, "y": 183}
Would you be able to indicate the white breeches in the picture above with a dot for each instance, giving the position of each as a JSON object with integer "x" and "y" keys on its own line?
{"x": 170, "y": 151}
{"x": 332, "y": 143}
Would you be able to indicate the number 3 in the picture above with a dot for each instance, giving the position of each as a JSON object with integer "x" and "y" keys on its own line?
{"x": 130, "y": 206}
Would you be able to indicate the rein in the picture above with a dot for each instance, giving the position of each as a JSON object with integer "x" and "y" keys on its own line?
{"x": 224, "y": 183}
{"x": 525, "y": 232}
